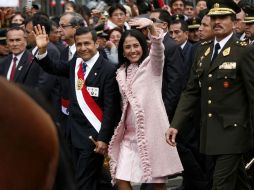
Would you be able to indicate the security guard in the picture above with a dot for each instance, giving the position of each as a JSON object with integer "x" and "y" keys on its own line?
{"x": 218, "y": 82}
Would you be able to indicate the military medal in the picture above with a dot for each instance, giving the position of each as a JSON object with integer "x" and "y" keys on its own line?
{"x": 226, "y": 52}
{"x": 80, "y": 84}
{"x": 207, "y": 51}
{"x": 226, "y": 84}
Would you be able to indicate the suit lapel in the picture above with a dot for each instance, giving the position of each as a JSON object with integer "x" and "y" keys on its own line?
{"x": 21, "y": 66}
{"x": 217, "y": 61}
{"x": 7, "y": 66}
{"x": 94, "y": 71}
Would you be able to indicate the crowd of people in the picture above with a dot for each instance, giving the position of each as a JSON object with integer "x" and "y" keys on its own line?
{"x": 141, "y": 91}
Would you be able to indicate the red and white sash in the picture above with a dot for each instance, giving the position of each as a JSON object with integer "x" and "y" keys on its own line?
{"x": 86, "y": 103}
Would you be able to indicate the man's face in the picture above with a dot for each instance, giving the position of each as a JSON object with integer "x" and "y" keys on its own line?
{"x": 222, "y": 26}
{"x": 178, "y": 7}
{"x": 239, "y": 25}
{"x": 249, "y": 30}
{"x": 30, "y": 37}
{"x": 194, "y": 35}
{"x": 66, "y": 30}
{"x": 54, "y": 35}
{"x": 118, "y": 17}
{"x": 86, "y": 47}
{"x": 177, "y": 34}
{"x": 189, "y": 11}
{"x": 16, "y": 41}
{"x": 205, "y": 29}
{"x": 201, "y": 5}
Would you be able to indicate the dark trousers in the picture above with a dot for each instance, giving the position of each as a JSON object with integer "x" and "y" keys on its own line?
{"x": 88, "y": 167}
{"x": 229, "y": 173}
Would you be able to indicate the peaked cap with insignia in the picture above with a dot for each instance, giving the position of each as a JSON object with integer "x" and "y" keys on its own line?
{"x": 194, "y": 23}
{"x": 222, "y": 7}
{"x": 249, "y": 15}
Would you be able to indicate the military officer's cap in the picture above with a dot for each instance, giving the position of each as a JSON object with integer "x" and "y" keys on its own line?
{"x": 3, "y": 36}
{"x": 194, "y": 23}
{"x": 222, "y": 7}
{"x": 177, "y": 17}
{"x": 249, "y": 15}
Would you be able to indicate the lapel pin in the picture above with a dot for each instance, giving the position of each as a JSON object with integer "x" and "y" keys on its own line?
{"x": 226, "y": 52}
{"x": 95, "y": 74}
{"x": 20, "y": 68}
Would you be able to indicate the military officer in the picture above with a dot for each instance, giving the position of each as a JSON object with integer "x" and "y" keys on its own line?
{"x": 249, "y": 24}
{"x": 218, "y": 83}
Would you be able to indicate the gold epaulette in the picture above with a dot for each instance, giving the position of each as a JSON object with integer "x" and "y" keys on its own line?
{"x": 241, "y": 43}
{"x": 206, "y": 42}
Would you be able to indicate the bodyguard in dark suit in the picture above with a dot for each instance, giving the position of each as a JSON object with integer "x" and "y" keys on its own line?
{"x": 218, "y": 81}
{"x": 18, "y": 66}
{"x": 93, "y": 87}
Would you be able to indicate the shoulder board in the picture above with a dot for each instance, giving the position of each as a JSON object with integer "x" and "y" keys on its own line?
{"x": 241, "y": 43}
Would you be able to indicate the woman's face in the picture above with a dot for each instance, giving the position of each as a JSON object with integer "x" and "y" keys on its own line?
{"x": 115, "y": 37}
{"x": 132, "y": 49}
{"x": 18, "y": 19}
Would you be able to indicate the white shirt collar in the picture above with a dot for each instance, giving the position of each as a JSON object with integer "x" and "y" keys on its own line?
{"x": 18, "y": 57}
{"x": 182, "y": 46}
{"x": 72, "y": 49}
{"x": 90, "y": 63}
{"x": 222, "y": 42}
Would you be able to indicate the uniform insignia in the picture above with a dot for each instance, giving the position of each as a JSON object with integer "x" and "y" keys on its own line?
{"x": 93, "y": 91}
{"x": 200, "y": 64}
{"x": 207, "y": 51}
{"x": 228, "y": 65}
{"x": 241, "y": 43}
{"x": 80, "y": 84}
{"x": 226, "y": 52}
{"x": 206, "y": 42}
{"x": 226, "y": 84}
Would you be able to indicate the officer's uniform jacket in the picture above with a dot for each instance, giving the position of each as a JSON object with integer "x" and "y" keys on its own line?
{"x": 224, "y": 102}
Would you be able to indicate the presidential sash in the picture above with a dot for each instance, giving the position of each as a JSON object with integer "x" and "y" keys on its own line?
{"x": 86, "y": 103}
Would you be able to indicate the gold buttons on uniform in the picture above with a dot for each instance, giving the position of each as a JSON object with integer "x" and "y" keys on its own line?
{"x": 235, "y": 125}
{"x": 210, "y": 115}
{"x": 209, "y": 88}
{"x": 210, "y": 75}
{"x": 209, "y": 101}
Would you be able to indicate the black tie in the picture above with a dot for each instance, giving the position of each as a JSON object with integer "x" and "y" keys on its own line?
{"x": 84, "y": 68}
{"x": 216, "y": 50}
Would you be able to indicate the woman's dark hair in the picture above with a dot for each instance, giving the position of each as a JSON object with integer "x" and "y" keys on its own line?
{"x": 141, "y": 39}
{"x": 114, "y": 7}
{"x": 114, "y": 29}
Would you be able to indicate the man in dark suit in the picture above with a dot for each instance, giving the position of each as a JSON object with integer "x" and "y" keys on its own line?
{"x": 173, "y": 71}
{"x": 219, "y": 82}
{"x": 94, "y": 103}
{"x": 19, "y": 66}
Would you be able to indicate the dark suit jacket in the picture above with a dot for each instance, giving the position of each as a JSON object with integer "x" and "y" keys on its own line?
{"x": 222, "y": 91}
{"x": 108, "y": 99}
{"x": 27, "y": 71}
{"x": 188, "y": 54}
{"x": 173, "y": 72}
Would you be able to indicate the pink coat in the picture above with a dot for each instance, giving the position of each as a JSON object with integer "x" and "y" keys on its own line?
{"x": 157, "y": 157}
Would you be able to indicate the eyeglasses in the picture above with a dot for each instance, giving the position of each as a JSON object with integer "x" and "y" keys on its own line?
{"x": 64, "y": 26}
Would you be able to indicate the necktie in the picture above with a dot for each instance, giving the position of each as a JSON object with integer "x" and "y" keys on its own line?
{"x": 216, "y": 50}
{"x": 13, "y": 69}
{"x": 84, "y": 68}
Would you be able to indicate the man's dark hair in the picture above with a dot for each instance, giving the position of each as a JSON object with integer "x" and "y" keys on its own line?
{"x": 114, "y": 7}
{"x": 184, "y": 25}
{"x": 173, "y": 1}
{"x": 141, "y": 39}
{"x": 43, "y": 21}
{"x": 16, "y": 28}
{"x": 84, "y": 30}
{"x": 163, "y": 15}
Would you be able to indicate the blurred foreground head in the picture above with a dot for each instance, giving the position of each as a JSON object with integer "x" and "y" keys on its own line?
{"x": 28, "y": 142}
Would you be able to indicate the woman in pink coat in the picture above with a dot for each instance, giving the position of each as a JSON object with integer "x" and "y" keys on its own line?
{"x": 138, "y": 151}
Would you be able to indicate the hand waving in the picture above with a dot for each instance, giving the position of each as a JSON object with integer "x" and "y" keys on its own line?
{"x": 41, "y": 38}
{"x": 140, "y": 22}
